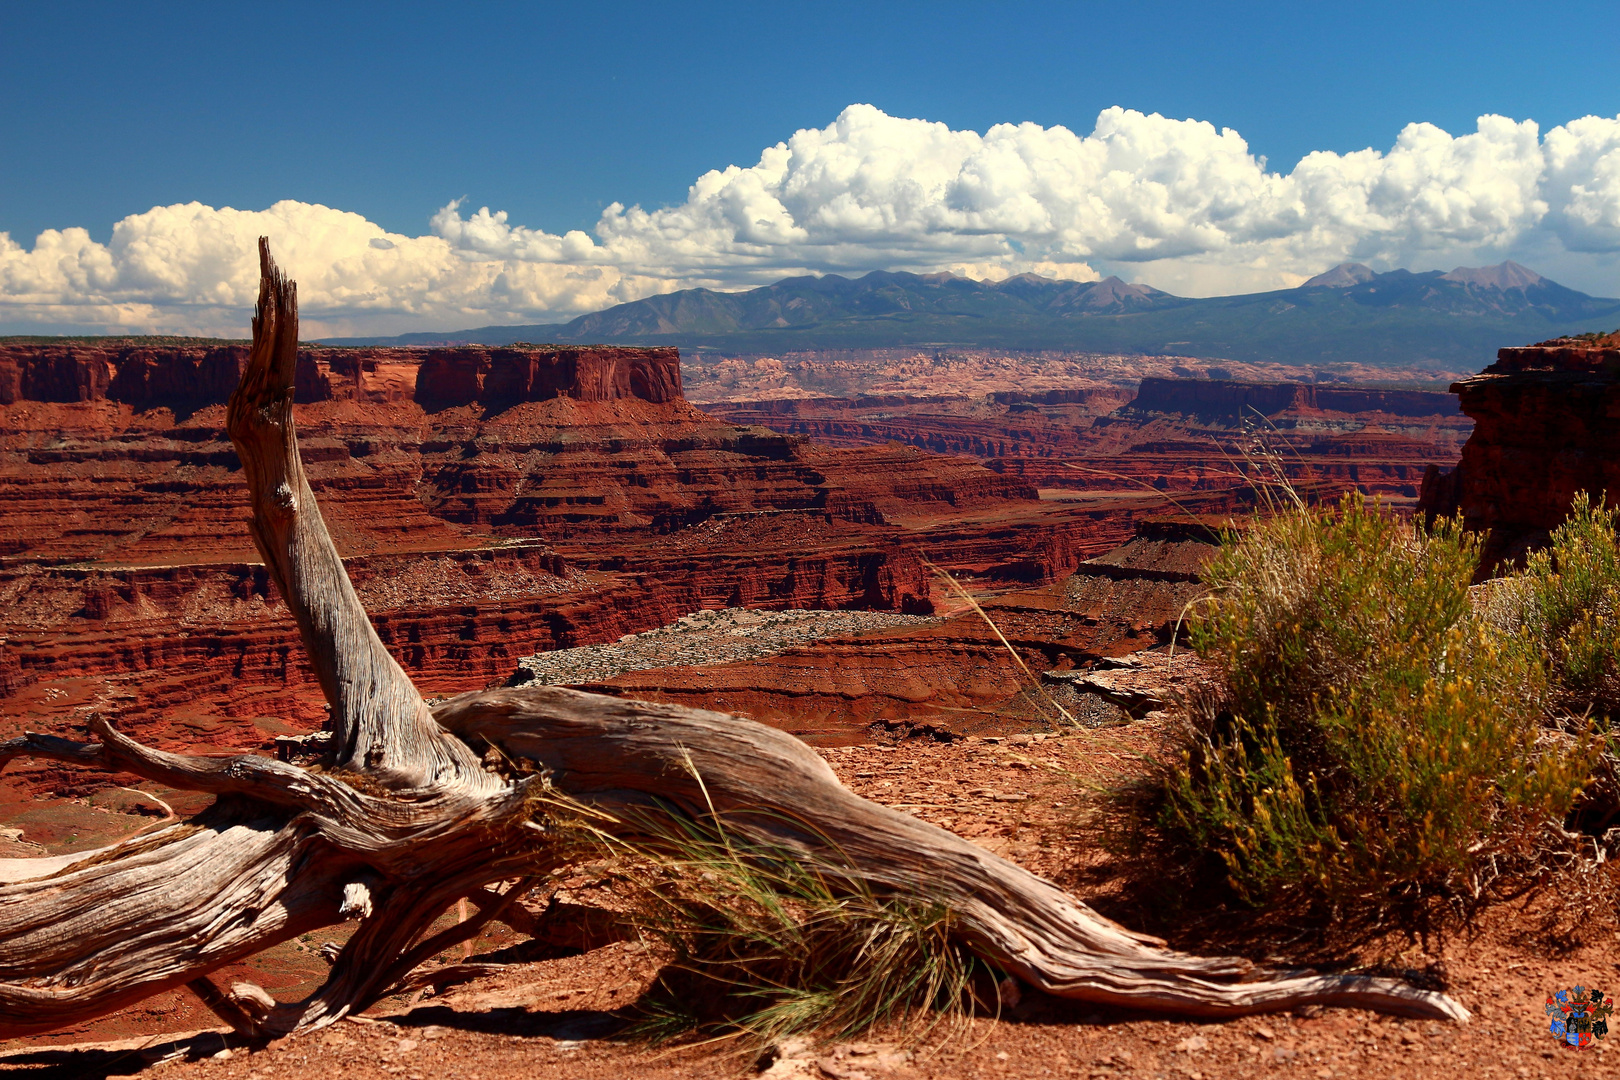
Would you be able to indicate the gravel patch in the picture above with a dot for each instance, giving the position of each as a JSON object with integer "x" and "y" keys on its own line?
{"x": 703, "y": 638}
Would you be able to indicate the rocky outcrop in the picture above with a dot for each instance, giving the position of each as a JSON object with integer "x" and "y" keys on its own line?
{"x": 1544, "y": 422}
{"x": 1593, "y": 353}
{"x": 12, "y": 675}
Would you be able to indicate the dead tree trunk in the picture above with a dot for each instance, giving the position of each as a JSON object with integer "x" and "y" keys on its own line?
{"x": 403, "y": 821}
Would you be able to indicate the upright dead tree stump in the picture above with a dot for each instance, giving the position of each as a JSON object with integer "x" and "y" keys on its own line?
{"x": 401, "y": 821}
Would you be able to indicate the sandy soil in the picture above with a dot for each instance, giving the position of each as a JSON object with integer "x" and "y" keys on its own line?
{"x": 560, "y": 1018}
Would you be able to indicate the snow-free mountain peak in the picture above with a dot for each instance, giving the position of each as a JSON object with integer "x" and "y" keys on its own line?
{"x": 1342, "y": 276}
{"x": 1504, "y": 276}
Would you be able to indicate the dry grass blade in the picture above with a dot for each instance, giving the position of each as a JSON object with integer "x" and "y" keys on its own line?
{"x": 1138, "y": 481}
{"x": 765, "y": 942}
{"x": 956, "y": 587}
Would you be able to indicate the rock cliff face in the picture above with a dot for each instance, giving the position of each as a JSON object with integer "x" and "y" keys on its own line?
{"x": 1226, "y": 397}
{"x": 1544, "y": 423}
{"x": 188, "y": 377}
{"x": 503, "y": 377}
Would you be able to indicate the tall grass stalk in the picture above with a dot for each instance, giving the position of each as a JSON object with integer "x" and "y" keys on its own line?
{"x": 1034, "y": 680}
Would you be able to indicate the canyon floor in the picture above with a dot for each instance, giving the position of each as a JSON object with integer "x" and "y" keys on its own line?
{"x": 564, "y": 1017}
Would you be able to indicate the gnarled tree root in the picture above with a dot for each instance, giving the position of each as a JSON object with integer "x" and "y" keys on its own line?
{"x": 402, "y": 820}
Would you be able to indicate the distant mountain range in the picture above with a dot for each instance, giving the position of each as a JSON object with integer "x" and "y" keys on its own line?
{"x": 1349, "y": 314}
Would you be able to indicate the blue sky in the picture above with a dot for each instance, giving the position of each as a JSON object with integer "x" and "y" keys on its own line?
{"x": 552, "y": 113}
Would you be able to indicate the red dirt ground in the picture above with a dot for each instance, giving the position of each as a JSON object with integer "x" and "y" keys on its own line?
{"x": 556, "y": 1018}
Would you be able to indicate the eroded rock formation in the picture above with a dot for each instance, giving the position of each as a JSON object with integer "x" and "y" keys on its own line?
{"x": 1544, "y": 422}
{"x": 1228, "y": 398}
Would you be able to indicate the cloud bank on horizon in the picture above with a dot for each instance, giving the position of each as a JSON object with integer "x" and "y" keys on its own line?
{"x": 1176, "y": 204}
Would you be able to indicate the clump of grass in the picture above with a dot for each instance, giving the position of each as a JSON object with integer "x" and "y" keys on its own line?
{"x": 768, "y": 944}
{"x": 1374, "y": 744}
{"x": 767, "y": 940}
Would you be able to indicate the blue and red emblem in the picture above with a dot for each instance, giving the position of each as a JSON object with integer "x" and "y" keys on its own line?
{"x": 1579, "y": 1016}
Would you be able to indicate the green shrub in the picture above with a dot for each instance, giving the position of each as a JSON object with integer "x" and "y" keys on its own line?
{"x": 1373, "y": 743}
{"x": 1569, "y": 596}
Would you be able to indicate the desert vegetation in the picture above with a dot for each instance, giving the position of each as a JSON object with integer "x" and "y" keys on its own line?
{"x": 1568, "y": 603}
{"x": 1387, "y": 744}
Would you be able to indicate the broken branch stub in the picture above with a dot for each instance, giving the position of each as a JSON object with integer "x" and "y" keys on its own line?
{"x": 380, "y": 723}
{"x": 403, "y": 821}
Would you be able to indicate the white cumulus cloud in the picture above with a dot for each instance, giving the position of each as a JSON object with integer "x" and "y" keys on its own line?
{"x": 194, "y": 268}
{"x": 1177, "y": 204}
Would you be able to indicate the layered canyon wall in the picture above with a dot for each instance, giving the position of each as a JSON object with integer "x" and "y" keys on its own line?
{"x": 187, "y": 376}
{"x": 1227, "y": 397}
{"x": 1545, "y": 418}
{"x": 493, "y": 503}
{"x": 959, "y": 675}
{"x": 1171, "y": 434}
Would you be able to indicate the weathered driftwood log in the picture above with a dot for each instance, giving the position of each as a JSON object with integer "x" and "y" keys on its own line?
{"x": 402, "y": 820}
